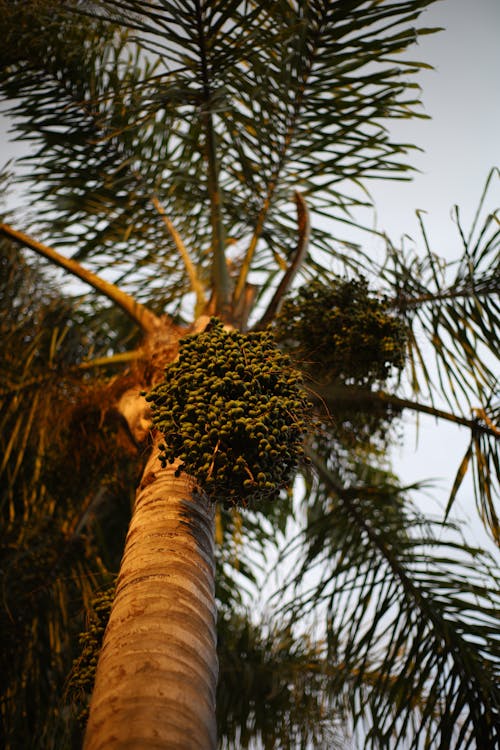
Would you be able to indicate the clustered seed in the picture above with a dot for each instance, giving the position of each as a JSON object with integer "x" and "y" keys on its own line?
{"x": 232, "y": 410}
{"x": 343, "y": 330}
{"x": 82, "y": 676}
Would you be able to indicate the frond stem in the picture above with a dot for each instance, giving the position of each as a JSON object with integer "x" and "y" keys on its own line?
{"x": 115, "y": 359}
{"x": 145, "y": 319}
{"x": 351, "y": 394}
{"x": 290, "y": 131}
{"x": 298, "y": 256}
{"x": 487, "y": 286}
{"x": 220, "y": 275}
{"x": 196, "y": 283}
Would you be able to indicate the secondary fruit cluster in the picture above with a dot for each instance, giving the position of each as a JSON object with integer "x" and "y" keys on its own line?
{"x": 232, "y": 410}
{"x": 343, "y": 331}
{"x": 82, "y": 676}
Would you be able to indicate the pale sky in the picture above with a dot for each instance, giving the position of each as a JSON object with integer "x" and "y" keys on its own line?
{"x": 462, "y": 141}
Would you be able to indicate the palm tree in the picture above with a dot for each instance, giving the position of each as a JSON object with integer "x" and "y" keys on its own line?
{"x": 173, "y": 145}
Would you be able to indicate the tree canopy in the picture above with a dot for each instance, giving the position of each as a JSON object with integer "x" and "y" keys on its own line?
{"x": 207, "y": 158}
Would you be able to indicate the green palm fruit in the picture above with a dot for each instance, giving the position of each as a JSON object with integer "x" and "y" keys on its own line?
{"x": 230, "y": 407}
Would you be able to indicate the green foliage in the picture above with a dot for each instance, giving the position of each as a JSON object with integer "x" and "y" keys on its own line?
{"x": 61, "y": 532}
{"x": 233, "y": 413}
{"x": 343, "y": 331}
{"x": 454, "y": 306}
{"x": 281, "y": 700}
{"x": 412, "y": 613}
{"x": 121, "y": 108}
{"x": 220, "y": 111}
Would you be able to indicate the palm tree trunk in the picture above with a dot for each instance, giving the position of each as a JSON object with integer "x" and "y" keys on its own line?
{"x": 156, "y": 678}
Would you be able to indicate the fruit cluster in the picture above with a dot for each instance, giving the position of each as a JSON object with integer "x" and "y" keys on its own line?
{"x": 232, "y": 410}
{"x": 82, "y": 676}
{"x": 343, "y": 331}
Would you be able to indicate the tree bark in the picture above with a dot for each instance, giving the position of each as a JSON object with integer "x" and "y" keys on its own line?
{"x": 157, "y": 672}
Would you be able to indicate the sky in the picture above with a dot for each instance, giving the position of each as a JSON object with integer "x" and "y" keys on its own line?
{"x": 460, "y": 144}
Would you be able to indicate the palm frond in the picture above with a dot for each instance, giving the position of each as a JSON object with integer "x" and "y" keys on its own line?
{"x": 356, "y": 404}
{"x": 79, "y": 86}
{"x": 410, "y": 606}
{"x": 452, "y": 310}
{"x": 454, "y": 307}
{"x": 51, "y": 554}
{"x": 221, "y": 111}
{"x": 272, "y": 689}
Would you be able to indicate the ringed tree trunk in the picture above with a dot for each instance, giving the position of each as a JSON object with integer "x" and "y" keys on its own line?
{"x": 156, "y": 677}
{"x": 157, "y": 672}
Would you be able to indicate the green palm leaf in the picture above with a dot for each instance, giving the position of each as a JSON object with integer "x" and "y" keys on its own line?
{"x": 168, "y": 143}
{"x": 116, "y": 126}
{"x": 51, "y": 556}
{"x": 452, "y": 310}
{"x": 407, "y": 609}
{"x": 455, "y": 306}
